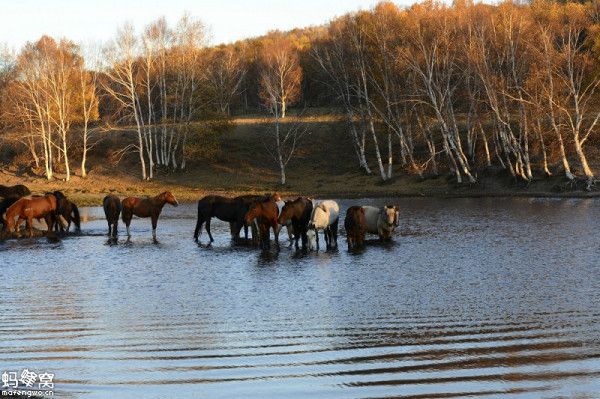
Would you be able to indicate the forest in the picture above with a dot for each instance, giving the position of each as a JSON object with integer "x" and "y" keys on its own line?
{"x": 425, "y": 90}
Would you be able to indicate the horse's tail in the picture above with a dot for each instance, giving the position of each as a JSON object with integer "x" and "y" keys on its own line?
{"x": 76, "y": 217}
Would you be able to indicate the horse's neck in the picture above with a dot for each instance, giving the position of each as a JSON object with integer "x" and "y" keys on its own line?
{"x": 158, "y": 201}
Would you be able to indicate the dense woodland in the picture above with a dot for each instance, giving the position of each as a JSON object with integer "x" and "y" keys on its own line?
{"x": 427, "y": 89}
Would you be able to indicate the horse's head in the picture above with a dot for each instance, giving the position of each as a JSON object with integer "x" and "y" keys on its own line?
{"x": 320, "y": 217}
{"x": 389, "y": 215}
{"x": 169, "y": 198}
{"x": 252, "y": 213}
{"x": 276, "y": 197}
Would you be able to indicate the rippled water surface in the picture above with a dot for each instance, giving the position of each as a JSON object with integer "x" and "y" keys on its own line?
{"x": 481, "y": 298}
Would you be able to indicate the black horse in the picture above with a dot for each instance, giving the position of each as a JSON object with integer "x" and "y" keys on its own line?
{"x": 68, "y": 210}
{"x": 112, "y": 209}
{"x": 17, "y": 191}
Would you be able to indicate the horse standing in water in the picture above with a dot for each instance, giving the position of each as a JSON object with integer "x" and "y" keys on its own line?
{"x": 297, "y": 212}
{"x": 324, "y": 217}
{"x": 356, "y": 227}
{"x": 146, "y": 208}
{"x": 112, "y": 209}
{"x": 68, "y": 210}
{"x": 231, "y": 210}
{"x": 265, "y": 213}
{"x": 28, "y": 209}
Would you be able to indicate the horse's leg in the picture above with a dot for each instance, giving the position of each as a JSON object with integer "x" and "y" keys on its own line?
{"x": 290, "y": 233}
{"x": 334, "y": 231}
{"x": 304, "y": 238}
{"x": 30, "y": 226}
{"x": 18, "y": 226}
{"x": 127, "y": 215}
{"x": 109, "y": 228}
{"x": 276, "y": 230}
{"x": 198, "y": 230}
{"x": 154, "y": 223}
{"x": 208, "y": 230}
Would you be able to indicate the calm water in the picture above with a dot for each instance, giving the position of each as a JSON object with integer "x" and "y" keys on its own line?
{"x": 481, "y": 298}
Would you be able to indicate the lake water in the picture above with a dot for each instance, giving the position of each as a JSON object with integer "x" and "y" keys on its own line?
{"x": 495, "y": 298}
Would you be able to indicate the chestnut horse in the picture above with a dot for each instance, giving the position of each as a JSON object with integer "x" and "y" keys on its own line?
{"x": 265, "y": 213}
{"x": 31, "y": 208}
{"x": 112, "y": 209}
{"x": 146, "y": 208}
{"x": 247, "y": 201}
{"x": 298, "y": 212}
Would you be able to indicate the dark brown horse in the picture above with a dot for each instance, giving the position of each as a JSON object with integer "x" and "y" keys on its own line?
{"x": 146, "y": 208}
{"x": 265, "y": 213}
{"x": 27, "y": 209}
{"x": 356, "y": 227}
{"x": 68, "y": 210}
{"x": 112, "y": 209}
{"x": 231, "y": 210}
{"x": 14, "y": 191}
{"x": 298, "y": 212}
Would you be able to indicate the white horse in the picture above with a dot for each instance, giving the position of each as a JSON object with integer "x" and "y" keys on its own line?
{"x": 325, "y": 216}
{"x": 381, "y": 221}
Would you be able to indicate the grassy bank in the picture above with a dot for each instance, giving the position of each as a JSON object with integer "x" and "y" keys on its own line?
{"x": 325, "y": 166}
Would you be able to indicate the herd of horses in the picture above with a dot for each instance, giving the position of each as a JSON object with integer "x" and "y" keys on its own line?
{"x": 303, "y": 218}
{"x": 18, "y": 206}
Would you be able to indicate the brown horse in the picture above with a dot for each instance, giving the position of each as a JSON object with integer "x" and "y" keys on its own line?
{"x": 112, "y": 209}
{"x": 247, "y": 201}
{"x": 356, "y": 227}
{"x": 265, "y": 213}
{"x": 298, "y": 212}
{"x": 146, "y": 208}
{"x": 31, "y": 208}
{"x": 69, "y": 212}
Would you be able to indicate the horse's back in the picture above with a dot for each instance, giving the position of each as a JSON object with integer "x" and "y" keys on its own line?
{"x": 371, "y": 218}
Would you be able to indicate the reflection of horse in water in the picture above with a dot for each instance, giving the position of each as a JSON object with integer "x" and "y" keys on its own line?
{"x": 27, "y": 209}
{"x": 17, "y": 191}
{"x": 146, "y": 208}
{"x": 112, "y": 209}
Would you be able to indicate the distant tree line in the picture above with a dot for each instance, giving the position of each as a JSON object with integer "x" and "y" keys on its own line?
{"x": 429, "y": 87}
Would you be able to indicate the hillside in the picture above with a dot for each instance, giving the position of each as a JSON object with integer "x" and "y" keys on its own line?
{"x": 237, "y": 162}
